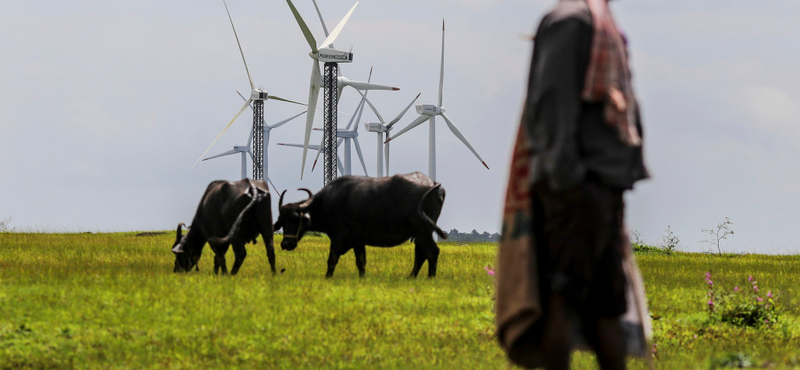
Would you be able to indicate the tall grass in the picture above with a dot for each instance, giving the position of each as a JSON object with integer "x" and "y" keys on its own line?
{"x": 112, "y": 301}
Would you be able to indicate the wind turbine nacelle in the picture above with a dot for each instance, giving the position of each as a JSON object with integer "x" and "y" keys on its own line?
{"x": 258, "y": 95}
{"x": 429, "y": 109}
{"x": 334, "y": 56}
{"x": 375, "y": 127}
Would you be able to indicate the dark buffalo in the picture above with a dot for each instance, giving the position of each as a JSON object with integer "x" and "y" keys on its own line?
{"x": 230, "y": 212}
{"x": 357, "y": 211}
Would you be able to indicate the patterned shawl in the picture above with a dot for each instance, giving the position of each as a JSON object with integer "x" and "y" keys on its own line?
{"x": 608, "y": 78}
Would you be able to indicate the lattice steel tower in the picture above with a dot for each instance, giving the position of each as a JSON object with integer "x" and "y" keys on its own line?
{"x": 258, "y": 139}
{"x": 330, "y": 146}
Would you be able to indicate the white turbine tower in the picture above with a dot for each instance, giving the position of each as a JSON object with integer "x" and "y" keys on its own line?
{"x": 324, "y": 52}
{"x": 429, "y": 112}
{"x": 245, "y": 150}
{"x": 257, "y": 97}
{"x": 380, "y": 128}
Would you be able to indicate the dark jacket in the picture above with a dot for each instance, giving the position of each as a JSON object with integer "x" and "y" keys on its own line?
{"x": 569, "y": 138}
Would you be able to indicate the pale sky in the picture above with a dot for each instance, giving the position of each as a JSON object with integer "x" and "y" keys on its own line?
{"x": 105, "y": 106}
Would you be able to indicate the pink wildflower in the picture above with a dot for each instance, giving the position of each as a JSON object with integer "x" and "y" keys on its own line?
{"x": 489, "y": 270}
{"x": 760, "y": 299}
{"x": 736, "y": 289}
{"x": 769, "y": 294}
{"x": 750, "y": 278}
{"x": 711, "y": 303}
{"x": 755, "y": 287}
{"x": 708, "y": 274}
{"x": 710, "y": 282}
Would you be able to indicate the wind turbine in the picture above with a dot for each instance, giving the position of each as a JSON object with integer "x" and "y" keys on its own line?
{"x": 430, "y": 112}
{"x": 247, "y": 149}
{"x": 380, "y": 128}
{"x": 257, "y": 97}
{"x": 324, "y": 52}
{"x": 348, "y": 134}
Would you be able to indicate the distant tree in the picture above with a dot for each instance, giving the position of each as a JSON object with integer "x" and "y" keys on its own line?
{"x": 5, "y": 226}
{"x": 670, "y": 241}
{"x": 719, "y": 233}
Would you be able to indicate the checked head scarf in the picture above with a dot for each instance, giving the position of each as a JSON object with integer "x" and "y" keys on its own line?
{"x": 608, "y": 78}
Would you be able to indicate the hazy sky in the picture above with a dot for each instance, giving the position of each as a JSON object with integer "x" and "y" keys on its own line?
{"x": 104, "y": 106}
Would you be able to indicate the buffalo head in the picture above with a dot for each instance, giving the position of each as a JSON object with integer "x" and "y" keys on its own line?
{"x": 184, "y": 257}
{"x": 294, "y": 219}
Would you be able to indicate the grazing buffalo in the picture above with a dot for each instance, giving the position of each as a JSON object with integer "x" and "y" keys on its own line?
{"x": 230, "y": 212}
{"x": 357, "y": 211}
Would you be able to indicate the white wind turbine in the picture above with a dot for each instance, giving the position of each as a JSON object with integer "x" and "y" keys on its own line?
{"x": 247, "y": 150}
{"x": 380, "y": 128}
{"x": 429, "y": 112}
{"x": 327, "y": 54}
{"x": 257, "y": 97}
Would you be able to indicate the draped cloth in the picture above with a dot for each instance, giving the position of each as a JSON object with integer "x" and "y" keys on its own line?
{"x": 518, "y": 308}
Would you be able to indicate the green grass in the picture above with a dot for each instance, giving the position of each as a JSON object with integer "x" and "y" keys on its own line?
{"x": 112, "y": 301}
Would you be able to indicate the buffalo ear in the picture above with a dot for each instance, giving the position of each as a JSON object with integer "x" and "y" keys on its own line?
{"x": 307, "y": 219}
{"x": 178, "y": 248}
{"x": 278, "y": 225}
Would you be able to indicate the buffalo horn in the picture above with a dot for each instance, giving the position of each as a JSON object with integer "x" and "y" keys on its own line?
{"x": 179, "y": 232}
{"x": 280, "y": 201}
{"x": 310, "y": 195}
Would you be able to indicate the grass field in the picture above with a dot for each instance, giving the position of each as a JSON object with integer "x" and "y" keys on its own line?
{"x": 112, "y": 301}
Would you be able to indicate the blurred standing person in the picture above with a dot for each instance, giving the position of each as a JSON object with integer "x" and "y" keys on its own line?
{"x": 566, "y": 274}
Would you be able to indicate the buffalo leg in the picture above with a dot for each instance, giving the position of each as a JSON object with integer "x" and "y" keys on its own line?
{"x": 219, "y": 259}
{"x": 240, "y": 252}
{"x": 270, "y": 251}
{"x": 337, "y": 249}
{"x": 333, "y": 259}
{"x": 361, "y": 258}
{"x": 430, "y": 251}
{"x": 419, "y": 259}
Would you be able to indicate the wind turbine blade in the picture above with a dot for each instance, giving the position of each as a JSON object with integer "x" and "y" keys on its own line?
{"x": 232, "y": 151}
{"x": 399, "y": 116}
{"x": 363, "y": 86}
{"x": 273, "y": 185}
{"x": 360, "y": 156}
{"x": 359, "y": 107}
{"x": 313, "y": 94}
{"x": 223, "y": 131}
{"x": 273, "y": 97}
{"x": 281, "y": 123}
{"x": 252, "y": 86}
{"x": 458, "y": 134}
{"x": 324, "y": 28}
{"x": 339, "y": 164}
{"x": 303, "y": 27}
{"x": 319, "y": 151}
{"x": 335, "y": 33}
{"x": 243, "y": 98}
{"x": 374, "y": 110}
{"x": 312, "y": 146}
{"x": 250, "y": 139}
{"x": 413, "y": 124}
{"x": 386, "y": 156}
{"x": 441, "y": 70}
